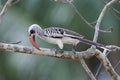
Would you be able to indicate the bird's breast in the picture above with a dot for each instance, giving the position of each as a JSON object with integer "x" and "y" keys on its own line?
{"x": 68, "y": 40}
{"x": 64, "y": 40}
{"x": 51, "y": 40}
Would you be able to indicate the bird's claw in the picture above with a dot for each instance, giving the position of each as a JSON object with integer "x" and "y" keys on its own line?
{"x": 59, "y": 51}
{"x": 73, "y": 50}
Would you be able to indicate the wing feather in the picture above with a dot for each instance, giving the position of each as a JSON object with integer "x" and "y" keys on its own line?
{"x": 57, "y": 32}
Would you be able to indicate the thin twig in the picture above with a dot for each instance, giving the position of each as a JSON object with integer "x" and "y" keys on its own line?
{"x": 98, "y": 69}
{"x": 4, "y": 9}
{"x": 117, "y": 64}
{"x": 0, "y": 4}
{"x": 89, "y": 24}
{"x": 100, "y": 19}
{"x": 116, "y": 10}
{"x": 16, "y": 42}
{"x": 87, "y": 69}
{"x": 115, "y": 15}
{"x": 112, "y": 10}
{"x": 105, "y": 53}
{"x": 105, "y": 2}
{"x": 11, "y": 42}
{"x": 113, "y": 47}
{"x": 63, "y": 1}
{"x": 15, "y": 2}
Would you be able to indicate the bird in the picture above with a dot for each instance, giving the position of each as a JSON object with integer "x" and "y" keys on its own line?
{"x": 59, "y": 36}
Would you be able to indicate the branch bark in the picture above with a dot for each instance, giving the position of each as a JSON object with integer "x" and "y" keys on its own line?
{"x": 104, "y": 60}
{"x": 47, "y": 52}
{"x": 63, "y": 54}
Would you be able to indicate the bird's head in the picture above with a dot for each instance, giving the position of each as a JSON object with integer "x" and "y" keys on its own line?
{"x": 33, "y": 31}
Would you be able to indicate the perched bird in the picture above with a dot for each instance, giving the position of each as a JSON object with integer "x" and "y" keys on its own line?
{"x": 59, "y": 36}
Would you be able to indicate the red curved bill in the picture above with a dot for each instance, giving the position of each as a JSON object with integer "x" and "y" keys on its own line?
{"x": 32, "y": 40}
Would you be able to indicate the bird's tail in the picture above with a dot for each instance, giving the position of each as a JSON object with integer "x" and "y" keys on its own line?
{"x": 92, "y": 43}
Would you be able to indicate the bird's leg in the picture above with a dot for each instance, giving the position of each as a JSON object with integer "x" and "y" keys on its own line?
{"x": 57, "y": 50}
{"x": 60, "y": 51}
{"x": 74, "y": 49}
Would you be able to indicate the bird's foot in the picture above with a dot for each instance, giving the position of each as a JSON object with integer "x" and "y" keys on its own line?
{"x": 73, "y": 50}
{"x": 58, "y": 51}
{"x": 53, "y": 49}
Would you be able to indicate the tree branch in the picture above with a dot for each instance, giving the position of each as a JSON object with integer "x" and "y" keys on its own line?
{"x": 104, "y": 60}
{"x": 47, "y": 52}
{"x": 62, "y": 54}
{"x": 87, "y": 69}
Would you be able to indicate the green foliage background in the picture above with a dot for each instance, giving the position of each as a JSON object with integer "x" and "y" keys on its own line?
{"x": 48, "y": 13}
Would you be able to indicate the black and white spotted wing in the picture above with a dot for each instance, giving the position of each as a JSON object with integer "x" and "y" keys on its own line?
{"x": 56, "y": 32}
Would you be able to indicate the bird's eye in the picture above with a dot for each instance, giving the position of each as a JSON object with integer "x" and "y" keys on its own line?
{"x": 32, "y": 31}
